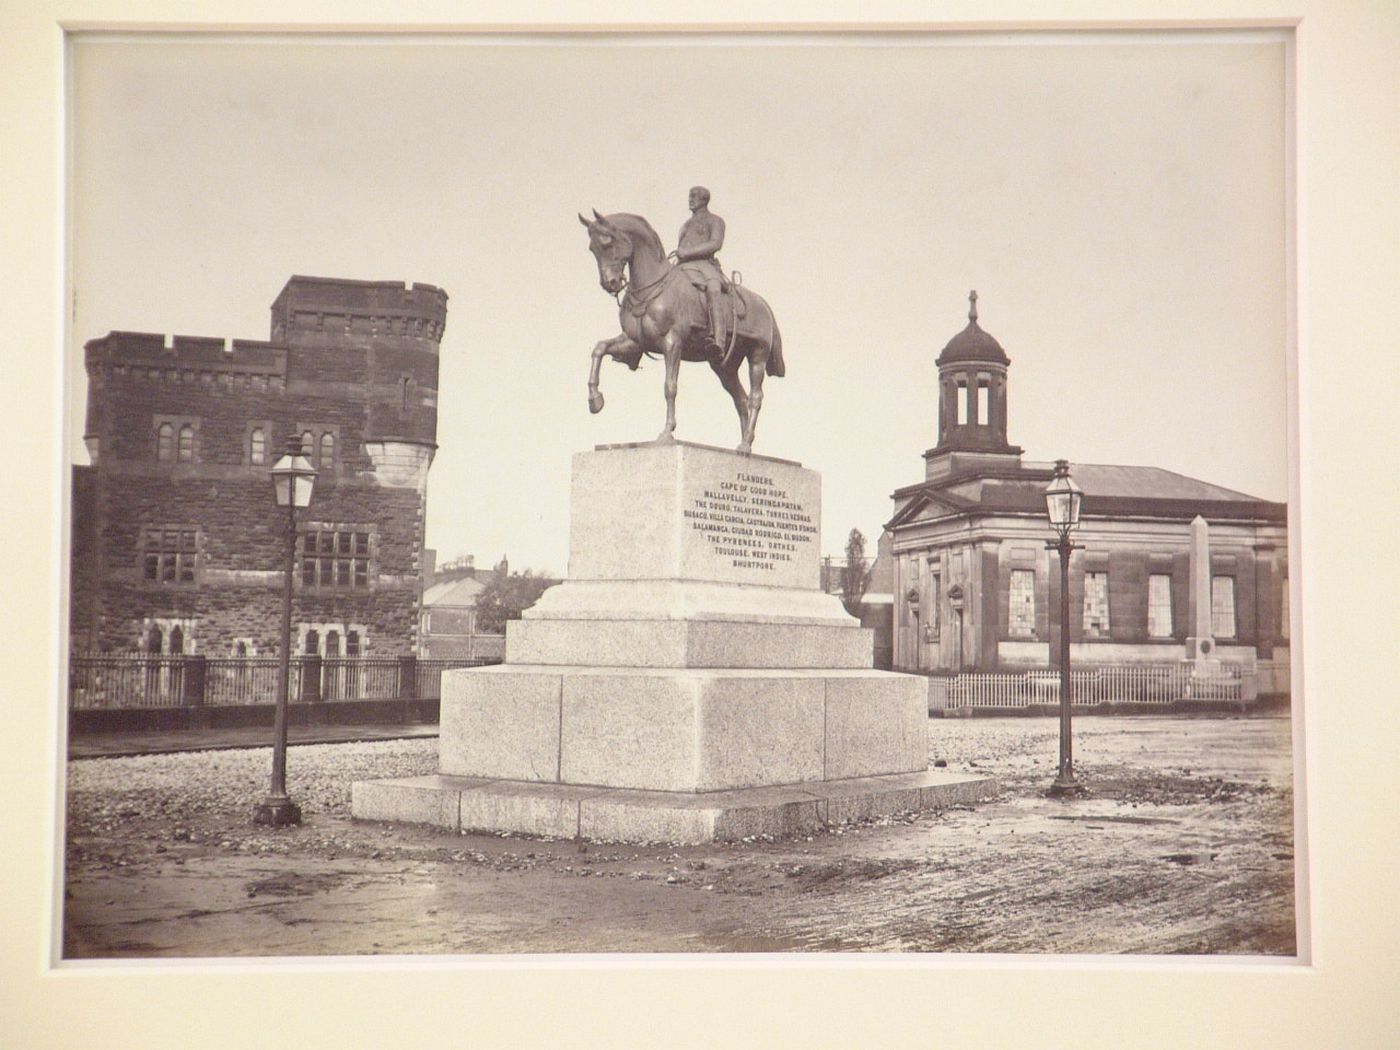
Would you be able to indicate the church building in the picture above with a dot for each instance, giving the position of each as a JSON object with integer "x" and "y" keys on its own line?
{"x": 178, "y": 546}
{"x": 1162, "y": 556}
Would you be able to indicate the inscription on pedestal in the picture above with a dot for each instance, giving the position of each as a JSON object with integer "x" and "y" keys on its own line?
{"x": 751, "y": 521}
{"x": 675, "y": 511}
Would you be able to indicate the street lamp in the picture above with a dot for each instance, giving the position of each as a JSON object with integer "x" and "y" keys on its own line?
{"x": 1062, "y": 501}
{"x": 292, "y": 479}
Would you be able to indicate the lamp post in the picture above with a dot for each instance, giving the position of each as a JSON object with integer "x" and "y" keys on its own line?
{"x": 1062, "y": 501}
{"x": 292, "y": 479}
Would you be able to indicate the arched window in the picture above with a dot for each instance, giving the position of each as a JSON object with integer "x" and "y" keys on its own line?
{"x": 313, "y": 643}
{"x": 327, "y": 449}
{"x": 962, "y": 415}
{"x": 332, "y": 643}
{"x": 186, "y": 443}
{"x": 257, "y": 446}
{"x": 153, "y": 641}
{"x": 165, "y": 442}
{"x": 308, "y": 443}
{"x": 177, "y": 641}
{"x": 352, "y": 643}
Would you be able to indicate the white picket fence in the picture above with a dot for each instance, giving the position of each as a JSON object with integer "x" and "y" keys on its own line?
{"x": 1145, "y": 685}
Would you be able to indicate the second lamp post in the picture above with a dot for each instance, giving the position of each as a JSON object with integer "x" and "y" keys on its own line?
{"x": 1062, "y": 501}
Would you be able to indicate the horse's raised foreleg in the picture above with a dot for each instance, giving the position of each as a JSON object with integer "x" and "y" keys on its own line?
{"x": 672, "y": 350}
{"x": 758, "y": 365}
{"x": 729, "y": 376}
{"x": 605, "y": 348}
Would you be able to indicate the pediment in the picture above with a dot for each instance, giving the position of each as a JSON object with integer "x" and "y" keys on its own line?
{"x": 924, "y": 507}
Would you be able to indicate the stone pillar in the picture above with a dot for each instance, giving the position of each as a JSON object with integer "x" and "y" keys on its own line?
{"x": 1200, "y": 646}
{"x": 408, "y": 678}
{"x": 310, "y": 680}
{"x": 192, "y": 681}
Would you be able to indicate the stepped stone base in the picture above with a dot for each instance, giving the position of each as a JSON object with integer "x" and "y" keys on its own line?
{"x": 688, "y": 643}
{"x": 690, "y": 681}
{"x": 680, "y": 729}
{"x": 468, "y": 804}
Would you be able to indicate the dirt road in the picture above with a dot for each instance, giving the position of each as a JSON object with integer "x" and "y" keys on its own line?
{"x": 1184, "y": 845}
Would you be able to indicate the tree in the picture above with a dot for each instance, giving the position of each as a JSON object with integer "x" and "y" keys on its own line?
{"x": 505, "y": 596}
{"x": 856, "y": 574}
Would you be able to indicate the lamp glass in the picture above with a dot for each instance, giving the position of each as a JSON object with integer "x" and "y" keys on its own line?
{"x": 1063, "y": 499}
{"x": 292, "y": 480}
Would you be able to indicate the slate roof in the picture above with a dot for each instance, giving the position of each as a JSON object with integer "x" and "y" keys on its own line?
{"x": 462, "y": 593}
{"x": 1109, "y": 491}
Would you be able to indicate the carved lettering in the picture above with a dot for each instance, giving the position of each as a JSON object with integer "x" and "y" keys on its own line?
{"x": 752, "y": 522}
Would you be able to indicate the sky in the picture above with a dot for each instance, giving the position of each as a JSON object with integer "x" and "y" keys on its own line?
{"x": 1118, "y": 203}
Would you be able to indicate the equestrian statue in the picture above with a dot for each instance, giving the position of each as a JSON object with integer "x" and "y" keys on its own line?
{"x": 684, "y": 310}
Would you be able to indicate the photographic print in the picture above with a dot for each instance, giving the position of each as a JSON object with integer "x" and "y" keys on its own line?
{"x": 716, "y": 493}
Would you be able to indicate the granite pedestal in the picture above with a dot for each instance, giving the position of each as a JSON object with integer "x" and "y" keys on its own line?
{"x": 688, "y": 681}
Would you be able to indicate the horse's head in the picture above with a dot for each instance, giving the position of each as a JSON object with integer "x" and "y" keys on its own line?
{"x": 612, "y": 248}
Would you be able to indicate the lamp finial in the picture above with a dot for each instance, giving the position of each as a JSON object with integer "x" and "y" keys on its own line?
{"x": 972, "y": 307}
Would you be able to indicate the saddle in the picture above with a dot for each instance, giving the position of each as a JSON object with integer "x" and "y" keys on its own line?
{"x": 697, "y": 274}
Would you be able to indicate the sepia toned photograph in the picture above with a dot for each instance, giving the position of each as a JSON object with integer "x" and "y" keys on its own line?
{"x": 719, "y": 494}
{"x": 368, "y": 686}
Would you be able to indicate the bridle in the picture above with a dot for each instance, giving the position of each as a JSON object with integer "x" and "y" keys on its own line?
{"x": 629, "y": 296}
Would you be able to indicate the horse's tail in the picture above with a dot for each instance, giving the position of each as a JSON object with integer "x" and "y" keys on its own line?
{"x": 775, "y": 349}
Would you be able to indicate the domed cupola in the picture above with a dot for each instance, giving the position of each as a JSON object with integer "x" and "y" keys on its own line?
{"x": 972, "y": 392}
{"x": 972, "y": 345}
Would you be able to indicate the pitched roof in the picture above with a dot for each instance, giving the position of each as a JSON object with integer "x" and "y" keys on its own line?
{"x": 1109, "y": 490}
{"x": 1101, "y": 479}
{"x": 461, "y": 592}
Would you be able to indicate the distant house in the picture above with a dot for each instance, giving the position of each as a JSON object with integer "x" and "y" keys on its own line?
{"x": 448, "y": 620}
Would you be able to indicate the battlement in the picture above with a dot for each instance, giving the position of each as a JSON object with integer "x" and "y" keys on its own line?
{"x": 317, "y": 306}
{"x": 138, "y": 351}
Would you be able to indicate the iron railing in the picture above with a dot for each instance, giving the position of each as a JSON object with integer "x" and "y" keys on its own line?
{"x": 126, "y": 681}
{"x": 140, "y": 681}
{"x": 1146, "y": 685}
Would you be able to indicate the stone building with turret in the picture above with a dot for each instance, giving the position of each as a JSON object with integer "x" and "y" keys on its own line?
{"x": 1166, "y": 562}
{"x": 177, "y": 545}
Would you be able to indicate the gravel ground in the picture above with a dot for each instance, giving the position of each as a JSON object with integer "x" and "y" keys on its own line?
{"x": 1182, "y": 845}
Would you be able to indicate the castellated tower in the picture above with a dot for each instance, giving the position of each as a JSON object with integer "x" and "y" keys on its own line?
{"x": 383, "y": 337}
{"x": 178, "y": 545}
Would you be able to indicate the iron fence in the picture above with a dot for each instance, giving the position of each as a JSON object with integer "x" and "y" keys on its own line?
{"x": 1133, "y": 684}
{"x": 430, "y": 671}
{"x": 126, "y": 680}
{"x": 247, "y": 680}
{"x": 361, "y": 678}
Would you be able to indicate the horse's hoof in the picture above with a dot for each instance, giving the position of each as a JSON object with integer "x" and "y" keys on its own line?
{"x": 595, "y": 402}
{"x": 746, "y": 448}
{"x": 665, "y": 437}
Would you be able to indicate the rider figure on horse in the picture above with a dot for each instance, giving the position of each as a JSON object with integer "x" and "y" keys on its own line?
{"x": 701, "y": 238}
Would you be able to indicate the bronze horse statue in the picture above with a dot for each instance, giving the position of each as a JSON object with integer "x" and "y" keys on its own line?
{"x": 663, "y": 313}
